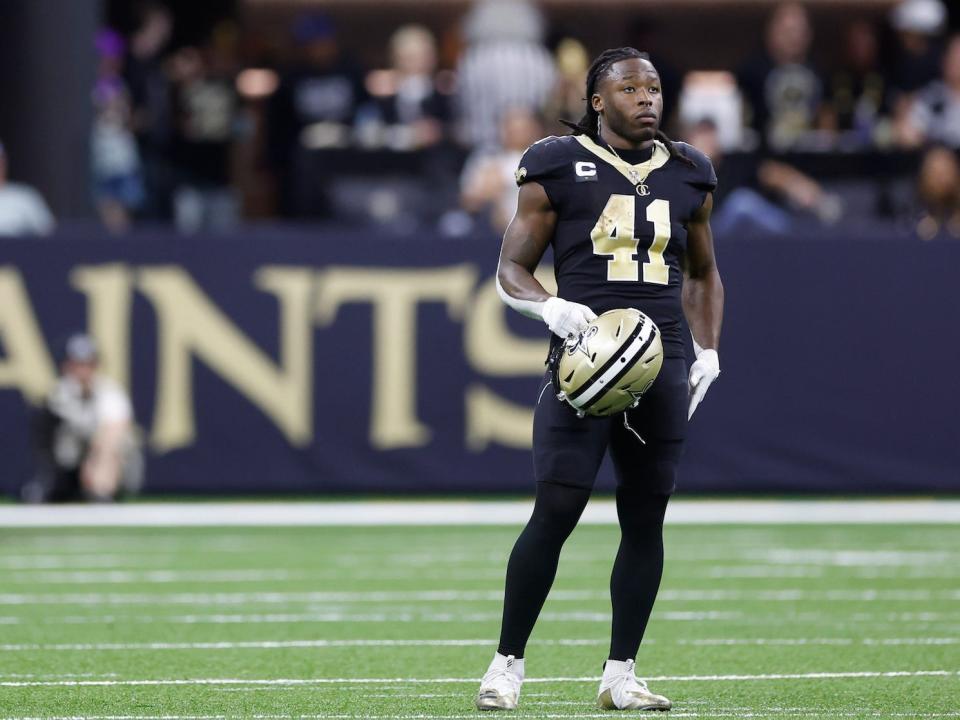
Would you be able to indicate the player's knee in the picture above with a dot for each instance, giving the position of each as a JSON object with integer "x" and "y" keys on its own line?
{"x": 656, "y": 478}
{"x": 557, "y": 509}
{"x": 664, "y": 477}
{"x": 641, "y": 512}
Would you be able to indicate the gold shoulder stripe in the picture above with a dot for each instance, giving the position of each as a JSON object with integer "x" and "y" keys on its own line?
{"x": 657, "y": 160}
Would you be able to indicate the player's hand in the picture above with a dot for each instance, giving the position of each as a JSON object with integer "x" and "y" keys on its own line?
{"x": 702, "y": 374}
{"x": 566, "y": 318}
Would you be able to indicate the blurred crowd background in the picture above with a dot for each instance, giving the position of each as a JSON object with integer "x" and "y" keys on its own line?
{"x": 413, "y": 115}
{"x": 168, "y": 165}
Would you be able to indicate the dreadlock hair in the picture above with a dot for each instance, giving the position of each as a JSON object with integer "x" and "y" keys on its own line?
{"x": 589, "y": 123}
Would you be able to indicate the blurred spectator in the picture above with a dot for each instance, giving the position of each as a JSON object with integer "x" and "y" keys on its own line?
{"x": 754, "y": 193}
{"x": 916, "y": 62}
{"x": 938, "y": 193}
{"x": 505, "y": 65}
{"x": 206, "y": 121}
{"x": 647, "y": 33}
{"x": 411, "y": 109}
{"x": 22, "y": 209}
{"x": 314, "y": 107}
{"x": 84, "y": 434}
{"x": 489, "y": 181}
{"x": 934, "y": 114}
{"x": 149, "y": 89}
{"x": 713, "y": 95}
{"x": 783, "y": 89}
{"x": 566, "y": 101}
{"x": 858, "y": 90}
{"x": 117, "y": 180}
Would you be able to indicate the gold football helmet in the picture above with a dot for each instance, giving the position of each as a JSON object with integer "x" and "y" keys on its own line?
{"x": 606, "y": 369}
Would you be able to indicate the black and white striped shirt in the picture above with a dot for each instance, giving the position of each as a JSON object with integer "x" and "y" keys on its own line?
{"x": 496, "y": 76}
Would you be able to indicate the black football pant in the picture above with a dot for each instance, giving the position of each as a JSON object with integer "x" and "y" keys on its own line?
{"x": 567, "y": 453}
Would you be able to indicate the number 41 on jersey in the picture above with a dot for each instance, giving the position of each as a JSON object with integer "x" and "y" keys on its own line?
{"x": 613, "y": 235}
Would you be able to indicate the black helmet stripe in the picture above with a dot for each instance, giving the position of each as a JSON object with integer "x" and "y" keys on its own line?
{"x": 623, "y": 371}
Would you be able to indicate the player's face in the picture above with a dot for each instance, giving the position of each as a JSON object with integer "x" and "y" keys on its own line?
{"x": 630, "y": 101}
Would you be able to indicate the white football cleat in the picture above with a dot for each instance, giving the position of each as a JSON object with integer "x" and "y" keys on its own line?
{"x": 621, "y": 690}
{"x": 500, "y": 687}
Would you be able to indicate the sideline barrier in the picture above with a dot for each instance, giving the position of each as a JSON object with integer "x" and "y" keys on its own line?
{"x": 335, "y": 360}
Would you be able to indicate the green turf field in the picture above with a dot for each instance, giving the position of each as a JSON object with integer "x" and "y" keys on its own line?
{"x": 752, "y": 622}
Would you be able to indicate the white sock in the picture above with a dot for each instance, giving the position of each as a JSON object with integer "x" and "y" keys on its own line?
{"x": 503, "y": 661}
{"x": 612, "y": 668}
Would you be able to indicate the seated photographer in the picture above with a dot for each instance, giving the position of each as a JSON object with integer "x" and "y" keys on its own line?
{"x": 83, "y": 434}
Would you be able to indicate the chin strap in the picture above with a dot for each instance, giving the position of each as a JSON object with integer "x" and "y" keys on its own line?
{"x": 626, "y": 424}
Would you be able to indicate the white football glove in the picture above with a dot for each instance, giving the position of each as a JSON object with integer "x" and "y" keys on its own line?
{"x": 702, "y": 374}
{"x": 565, "y": 318}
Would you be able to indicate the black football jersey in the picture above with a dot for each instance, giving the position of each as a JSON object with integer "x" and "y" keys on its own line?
{"x": 621, "y": 228}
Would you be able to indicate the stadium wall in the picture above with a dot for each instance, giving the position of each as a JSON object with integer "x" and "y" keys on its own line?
{"x": 334, "y": 360}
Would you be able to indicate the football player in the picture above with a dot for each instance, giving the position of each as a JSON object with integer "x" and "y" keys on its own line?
{"x": 627, "y": 212}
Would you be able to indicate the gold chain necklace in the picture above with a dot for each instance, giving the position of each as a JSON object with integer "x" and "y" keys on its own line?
{"x": 637, "y": 176}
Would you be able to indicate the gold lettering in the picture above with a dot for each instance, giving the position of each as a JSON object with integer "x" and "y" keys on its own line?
{"x": 27, "y": 365}
{"x": 394, "y": 295}
{"x": 190, "y": 325}
{"x": 490, "y": 346}
{"x": 109, "y": 291}
{"x": 491, "y": 419}
{"x": 493, "y": 350}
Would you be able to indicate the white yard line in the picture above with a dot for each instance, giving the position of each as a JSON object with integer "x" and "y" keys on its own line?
{"x": 602, "y": 512}
{"x": 398, "y": 596}
{"x": 821, "y": 641}
{"x": 547, "y": 716}
{"x": 470, "y": 642}
{"x": 852, "y": 557}
{"x": 328, "y": 577}
{"x": 341, "y": 617}
{"x": 73, "y": 561}
{"x": 765, "y": 713}
{"x": 38, "y": 676}
{"x": 440, "y": 681}
{"x": 111, "y": 577}
{"x": 763, "y": 571}
{"x": 269, "y": 645}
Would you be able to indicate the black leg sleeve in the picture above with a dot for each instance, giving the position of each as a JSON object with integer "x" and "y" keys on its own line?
{"x": 638, "y": 568}
{"x": 533, "y": 562}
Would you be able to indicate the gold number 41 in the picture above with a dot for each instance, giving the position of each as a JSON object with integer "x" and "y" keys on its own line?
{"x": 613, "y": 236}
